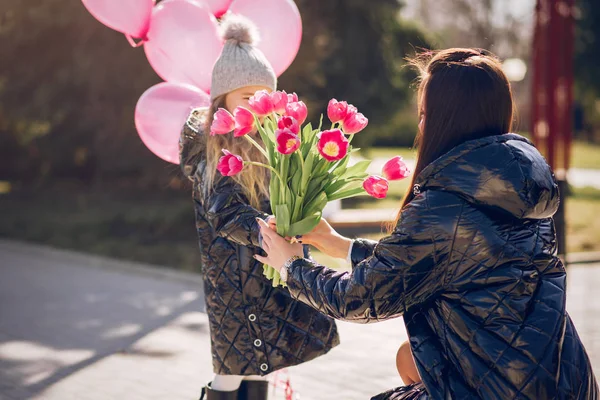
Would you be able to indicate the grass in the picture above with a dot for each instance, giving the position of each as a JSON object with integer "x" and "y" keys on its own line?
{"x": 582, "y": 213}
{"x": 149, "y": 227}
{"x": 583, "y": 220}
{"x": 388, "y": 152}
{"x": 584, "y": 155}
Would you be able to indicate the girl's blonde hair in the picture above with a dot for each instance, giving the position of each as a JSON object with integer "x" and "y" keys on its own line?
{"x": 253, "y": 180}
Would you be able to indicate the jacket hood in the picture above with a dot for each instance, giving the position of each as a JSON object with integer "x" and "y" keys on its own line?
{"x": 504, "y": 172}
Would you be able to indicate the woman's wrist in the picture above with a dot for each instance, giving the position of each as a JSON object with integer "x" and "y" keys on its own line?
{"x": 340, "y": 247}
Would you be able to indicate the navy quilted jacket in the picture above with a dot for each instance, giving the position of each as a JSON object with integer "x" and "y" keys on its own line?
{"x": 472, "y": 267}
{"x": 255, "y": 329}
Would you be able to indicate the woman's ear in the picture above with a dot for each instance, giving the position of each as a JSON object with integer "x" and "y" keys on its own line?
{"x": 421, "y": 123}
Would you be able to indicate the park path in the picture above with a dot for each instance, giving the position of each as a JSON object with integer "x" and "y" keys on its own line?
{"x": 75, "y": 326}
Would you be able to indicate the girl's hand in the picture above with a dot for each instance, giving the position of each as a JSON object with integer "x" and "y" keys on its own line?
{"x": 327, "y": 240}
{"x": 272, "y": 222}
{"x": 278, "y": 250}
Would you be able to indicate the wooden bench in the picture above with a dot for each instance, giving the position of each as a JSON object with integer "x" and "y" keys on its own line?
{"x": 355, "y": 222}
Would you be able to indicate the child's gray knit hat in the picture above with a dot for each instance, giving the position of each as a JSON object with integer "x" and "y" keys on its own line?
{"x": 240, "y": 64}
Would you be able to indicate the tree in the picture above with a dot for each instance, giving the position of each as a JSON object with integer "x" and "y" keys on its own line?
{"x": 587, "y": 73}
{"x": 355, "y": 50}
{"x": 69, "y": 85}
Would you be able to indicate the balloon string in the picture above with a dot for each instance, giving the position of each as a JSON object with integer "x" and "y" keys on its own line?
{"x": 284, "y": 383}
{"x": 133, "y": 43}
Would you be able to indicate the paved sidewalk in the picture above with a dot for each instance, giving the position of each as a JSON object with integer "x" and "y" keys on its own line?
{"x": 81, "y": 327}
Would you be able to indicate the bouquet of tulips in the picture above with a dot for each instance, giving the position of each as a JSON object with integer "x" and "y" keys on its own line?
{"x": 309, "y": 167}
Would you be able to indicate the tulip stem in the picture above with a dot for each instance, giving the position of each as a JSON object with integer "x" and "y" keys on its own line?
{"x": 265, "y": 166}
{"x": 258, "y": 146}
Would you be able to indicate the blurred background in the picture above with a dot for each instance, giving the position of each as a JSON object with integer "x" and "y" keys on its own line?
{"x": 74, "y": 173}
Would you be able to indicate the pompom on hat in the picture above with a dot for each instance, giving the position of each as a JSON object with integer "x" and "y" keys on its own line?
{"x": 240, "y": 64}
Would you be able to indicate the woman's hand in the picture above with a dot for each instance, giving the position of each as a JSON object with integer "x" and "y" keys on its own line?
{"x": 278, "y": 250}
{"x": 327, "y": 240}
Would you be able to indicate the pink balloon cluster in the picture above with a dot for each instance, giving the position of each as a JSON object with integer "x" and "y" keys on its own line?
{"x": 182, "y": 42}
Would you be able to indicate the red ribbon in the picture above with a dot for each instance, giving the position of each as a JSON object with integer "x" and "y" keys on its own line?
{"x": 284, "y": 383}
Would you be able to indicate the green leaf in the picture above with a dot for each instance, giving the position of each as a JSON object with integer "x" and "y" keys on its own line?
{"x": 320, "y": 123}
{"x": 298, "y": 201}
{"x": 343, "y": 185}
{"x": 307, "y": 130}
{"x": 285, "y": 161}
{"x": 345, "y": 194}
{"x": 341, "y": 166}
{"x": 322, "y": 165}
{"x": 316, "y": 185}
{"x": 307, "y": 171}
{"x": 357, "y": 169}
{"x": 270, "y": 130}
{"x": 305, "y": 226}
{"x": 274, "y": 190}
{"x": 296, "y": 173}
{"x": 334, "y": 186}
{"x": 282, "y": 214}
{"x": 317, "y": 204}
{"x": 306, "y": 140}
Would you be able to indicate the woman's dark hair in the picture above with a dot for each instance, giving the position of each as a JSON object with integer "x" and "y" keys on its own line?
{"x": 463, "y": 95}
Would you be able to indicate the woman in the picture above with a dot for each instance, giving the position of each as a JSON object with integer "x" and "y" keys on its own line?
{"x": 471, "y": 263}
{"x": 255, "y": 329}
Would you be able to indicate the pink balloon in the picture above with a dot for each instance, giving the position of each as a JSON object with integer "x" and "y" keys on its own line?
{"x": 280, "y": 28}
{"x": 218, "y": 7}
{"x": 131, "y": 17}
{"x": 160, "y": 114}
{"x": 183, "y": 42}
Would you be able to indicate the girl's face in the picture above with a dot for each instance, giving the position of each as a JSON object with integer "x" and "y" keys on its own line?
{"x": 240, "y": 97}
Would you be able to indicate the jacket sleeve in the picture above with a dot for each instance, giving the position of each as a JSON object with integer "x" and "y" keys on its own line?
{"x": 230, "y": 215}
{"x": 404, "y": 270}
{"x": 361, "y": 250}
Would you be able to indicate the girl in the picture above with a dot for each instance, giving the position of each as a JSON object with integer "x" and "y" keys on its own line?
{"x": 471, "y": 263}
{"x": 255, "y": 329}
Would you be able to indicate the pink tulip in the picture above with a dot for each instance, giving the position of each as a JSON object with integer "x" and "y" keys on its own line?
{"x": 279, "y": 100}
{"x": 376, "y": 186}
{"x": 351, "y": 110}
{"x": 354, "y": 123}
{"x": 223, "y": 122}
{"x": 297, "y": 110}
{"x": 292, "y": 98}
{"x": 332, "y": 145}
{"x": 287, "y": 141}
{"x": 230, "y": 164}
{"x": 261, "y": 103}
{"x": 337, "y": 110}
{"x": 395, "y": 169}
{"x": 244, "y": 121}
{"x": 289, "y": 123}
